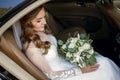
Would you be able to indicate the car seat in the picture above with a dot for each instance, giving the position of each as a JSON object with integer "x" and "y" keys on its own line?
{"x": 13, "y": 50}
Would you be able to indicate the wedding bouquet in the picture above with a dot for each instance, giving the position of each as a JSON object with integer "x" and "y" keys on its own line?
{"x": 78, "y": 50}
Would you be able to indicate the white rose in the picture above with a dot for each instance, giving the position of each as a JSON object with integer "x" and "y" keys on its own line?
{"x": 74, "y": 40}
{"x": 69, "y": 54}
{"x": 64, "y": 46}
{"x": 81, "y": 42}
{"x": 81, "y": 49}
{"x": 77, "y": 54}
{"x": 72, "y": 43}
{"x": 86, "y": 46}
{"x": 77, "y": 58}
{"x": 91, "y": 51}
{"x": 88, "y": 56}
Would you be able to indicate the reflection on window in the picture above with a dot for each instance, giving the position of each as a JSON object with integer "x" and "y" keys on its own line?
{"x": 6, "y": 5}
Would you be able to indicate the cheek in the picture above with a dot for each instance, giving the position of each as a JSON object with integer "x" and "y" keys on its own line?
{"x": 38, "y": 27}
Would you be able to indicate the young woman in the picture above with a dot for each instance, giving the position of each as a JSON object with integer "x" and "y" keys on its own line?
{"x": 40, "y": 47}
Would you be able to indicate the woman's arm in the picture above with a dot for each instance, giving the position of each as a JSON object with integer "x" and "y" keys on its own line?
{"x": 35, "y": 56}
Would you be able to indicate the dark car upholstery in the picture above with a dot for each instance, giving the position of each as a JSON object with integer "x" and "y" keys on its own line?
{"x": 58, "y": 31}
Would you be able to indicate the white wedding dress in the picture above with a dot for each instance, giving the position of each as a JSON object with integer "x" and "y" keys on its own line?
{"x": 107, "y": 70}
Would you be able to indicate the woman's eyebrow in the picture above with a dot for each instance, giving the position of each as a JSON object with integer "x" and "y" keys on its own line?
{"x": 40, "y": 18}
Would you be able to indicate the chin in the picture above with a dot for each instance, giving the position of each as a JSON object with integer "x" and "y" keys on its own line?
{"x": 42, "y": 30}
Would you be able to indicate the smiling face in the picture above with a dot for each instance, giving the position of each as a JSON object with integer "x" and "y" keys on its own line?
{"x": 39, "y": 21}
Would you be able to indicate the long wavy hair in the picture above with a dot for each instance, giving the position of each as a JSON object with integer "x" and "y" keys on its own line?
{"x": 29, "y": 35}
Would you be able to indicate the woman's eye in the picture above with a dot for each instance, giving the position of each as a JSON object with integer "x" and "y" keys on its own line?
{"x": 38, "y": 21}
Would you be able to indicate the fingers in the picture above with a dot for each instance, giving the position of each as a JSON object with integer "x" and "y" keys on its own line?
{"x": 90, "y": 68}
{"x": 93, "y": 69}
{"x": 95, "y": 66}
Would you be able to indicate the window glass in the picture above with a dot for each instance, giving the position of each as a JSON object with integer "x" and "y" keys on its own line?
{"x": 117, "y": 4}
{"x": 6, "y": 5}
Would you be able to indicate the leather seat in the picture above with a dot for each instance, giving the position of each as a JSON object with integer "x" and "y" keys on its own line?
{"x": 58, "y": 30}
{"x": 70, "y": 32}
{"x": 14, "y": 51}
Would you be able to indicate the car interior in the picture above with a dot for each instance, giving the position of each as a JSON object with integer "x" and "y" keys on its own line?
{"x": 100, "y": 24}
{"x": 66, "y": 17}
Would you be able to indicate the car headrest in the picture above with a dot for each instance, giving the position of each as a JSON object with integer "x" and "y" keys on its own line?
{"x": 17, "y": 33}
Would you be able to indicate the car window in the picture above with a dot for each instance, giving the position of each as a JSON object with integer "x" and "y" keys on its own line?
{"x": 6, "y": 5}
{"x": 117, "y": 4}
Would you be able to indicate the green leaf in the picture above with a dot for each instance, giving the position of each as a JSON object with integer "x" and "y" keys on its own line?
{"x": 69, "y": 58}
{"x": 60, "y": 42}
{"x": 83, "y": 36}
{"x": 96, "y": 53}
{"x": 78, "y": 43}
{"x": 81, "y": 62}
{"x": 92, "y": 60}
{"x": 72, "y": 50}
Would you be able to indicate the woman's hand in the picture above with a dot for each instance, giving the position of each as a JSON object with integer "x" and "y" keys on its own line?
{"x": 90, "y": 68}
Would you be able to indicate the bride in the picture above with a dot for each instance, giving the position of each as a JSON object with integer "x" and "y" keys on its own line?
{"x": 40, "y": 47}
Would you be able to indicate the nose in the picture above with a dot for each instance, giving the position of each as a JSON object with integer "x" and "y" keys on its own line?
{"x": 43, "y": 21}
